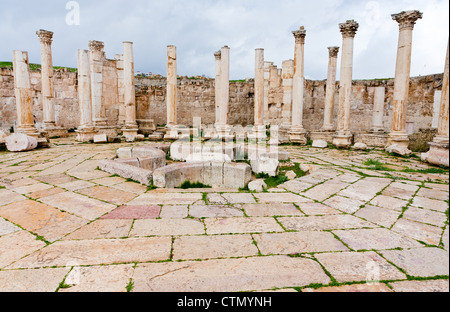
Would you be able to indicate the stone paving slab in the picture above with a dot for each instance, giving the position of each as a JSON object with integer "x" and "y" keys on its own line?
{"x": 380, "y": 216}
{"x": 166, "y": 199}
{"x": 25, "y": 281}
{"x": 229, "y": 275}
{"x": 134, "y": 212}
{"x": 85, "y": 207}
{"x": 95, "y": 252}
{"x": 389, "y": 202}
{"x": 344, "y": 204}
{"x": 325, "y": 190}
{"x": 317, "y": 209}
{"x": 16, "y": 246}
{"x": 112, "y": 278}
{"x": 431, "y": 204}
{"x": 102, "y": 229}
{"x": 297, "y": 243}
{"x": 355, "y": 288}
{"x": 217, "y": 246}
{"x": 433, "y": 194}
{"x": 330, "y": 222}
{"x": 41, "y": 219}
{"x": 167, "y": 227}
{"x": 108, "y": 194}
{"x": 421, "y": 286}
{"x": 270, "y": 210}
{"x": 359, "y": 266}
{"x": 280, "y": 198}
{"x": 214, "y": 211}
{"x": 425, "y": 216}
{"x": 7, "y": 227}
{"x": 174, "y": 212}
{"x": 420, "y": 262}
{"x": 8, "y": 197}
{"x": 239, "y": 198}
{"x": 379, "y": 239}
{"x": 242, "y": 225}
{"x": 422, "y": 232}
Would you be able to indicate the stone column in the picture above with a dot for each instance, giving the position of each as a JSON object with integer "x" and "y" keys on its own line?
{"x": 171, "y": 96}
{"x": 343, "y": 137}
{"x": 120, "y": 89}
{"x": 85, "y": 132}
{"x": 298, "y": 133}
{"x": 267, "y": 68}
{"x": 331, "y": 89}
{"x": 398, "y": 134}
{"x": 378, "y": 110}
{"x": 286, "y": 109}
{"x": 439, "y": 148}
{"x": 130, "y": 131}
{"x": 225, "y": 85}
{"x": 259, "y": 130}
{"x": 96, "y": 66}
{"x": 218, "y": 84}
{"x": 48, "y": 109}
{"x": 23, "y": 94}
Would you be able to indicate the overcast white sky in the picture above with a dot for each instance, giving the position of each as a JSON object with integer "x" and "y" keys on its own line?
{"x": 200, "y": 27}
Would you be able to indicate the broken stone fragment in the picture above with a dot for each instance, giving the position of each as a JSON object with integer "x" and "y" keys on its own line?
{"x": 257, "y": 186}
{"x": 320, "y": 144}
{"x": 18, "y": 142}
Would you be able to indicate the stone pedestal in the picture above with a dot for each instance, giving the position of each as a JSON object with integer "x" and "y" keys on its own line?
{"x": 343, "y": 137}
{"x": 398, "y": 134}
{"x": 372, "y": 139}
{"x": 298, "y": 133}
{"x": 326, "y": 136}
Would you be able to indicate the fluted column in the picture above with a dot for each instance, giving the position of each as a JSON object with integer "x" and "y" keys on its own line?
{"x": 23, "y": 94}
{"x": 130, "y": 130}
{"x": 439, "y": 148}
{"x": 343, "y": 137}
{"x": 85, "y": 131}
{"x": 96, "y": 67}
{"x": 398, "y": 134}
{"x": 48, "y": 109}
{"x": 331, "y": 89}
{"x": 298, "y": 133}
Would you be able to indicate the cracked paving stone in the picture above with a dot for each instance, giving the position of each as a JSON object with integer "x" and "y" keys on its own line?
{"x": 214, "y": 211}
{"x": 228, "y": 275}
{"x": 102, "y": 229}
{"x": 421, "y": 286}
{"x": 270, "y": 210}
{"x": 380, "y": 216}
{"x": 242, "y": 225}
{"x": 41, "y": 280}
{"x": 17, "y": 245}
{"x": 329, "y": 222}
{"x": 167, "y": 227}
{"x": 368, "y": 287}
{"x": 422, "y": 232}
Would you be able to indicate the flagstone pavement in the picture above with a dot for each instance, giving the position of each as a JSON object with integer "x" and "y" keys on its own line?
{"x": 66, "y": 226}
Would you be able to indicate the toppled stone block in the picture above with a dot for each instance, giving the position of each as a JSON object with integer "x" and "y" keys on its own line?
{"x": 264, "y": 164}
{"x": 19, "y": 142}
{"x": 257, "y": 186}
{"x": 114, "y": 139}
{"x": 402, "y": 151}
{"x": 100, "y": 138}
{"x": 202, "y": 157}
{"x": 126, "y": 171}
{"x": 3, "y": 135}
{"x": 320, "y": 144}
{"x": 230, "y": 175}
{"x": 156, "y": 136}
{"x": 360, "y": 147}
{"x": 125, "y": 152}
{"x": 291, "y": 175}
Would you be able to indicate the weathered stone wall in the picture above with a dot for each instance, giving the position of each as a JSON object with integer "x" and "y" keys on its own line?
{"x": 196, "y": 98}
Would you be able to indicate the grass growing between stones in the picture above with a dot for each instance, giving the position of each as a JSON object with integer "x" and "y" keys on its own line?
{"x": 193, "y": 185}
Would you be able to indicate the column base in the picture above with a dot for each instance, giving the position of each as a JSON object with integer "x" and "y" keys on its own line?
{"x": 439, "y": 152}
{"x": 50, "y": 130}
{"x": 258, "y": 134}
{"x": 108, "y": 130}
{"x": 298, "y": 136}
{"x": 373, "y": 139}
{"x": 86, "y": 134}
{"x": 323, "y": 135}
{"x": 176, "y": 133}
{"x": 29, "y": 130}
{"x": 146, "y": 126}
{"x": 283, "y": 135}
{"x": 130, "y": 134}
{"x": 343, "y": 140}
{"x": 400, "y": 139}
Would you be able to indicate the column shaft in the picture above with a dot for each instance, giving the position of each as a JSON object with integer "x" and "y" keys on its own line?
{"x": 259, "y": 87}
{"x": 217, "y": 85}
{"x": 96, "y": 67}
{"x": 330, "y": 89}
{"x": 129, "y": 86}
{"x": 48, "y": 109}
{"x": 378, "y": 110}
{"x": 23, "y": 94}
{"x": 225, "y": 86}
{"x": 171, "y": 86}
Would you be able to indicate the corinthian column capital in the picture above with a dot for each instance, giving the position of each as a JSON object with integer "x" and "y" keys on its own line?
{"x": 407, "y": 19}
{"x": 349, "y": 28}
{"x": 45, "y": 36}
{"x": 333, "y": 51}
{"x": 300, "y": 35}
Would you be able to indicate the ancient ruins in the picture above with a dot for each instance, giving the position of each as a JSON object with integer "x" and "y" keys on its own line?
{"x": 112, "y": 181}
